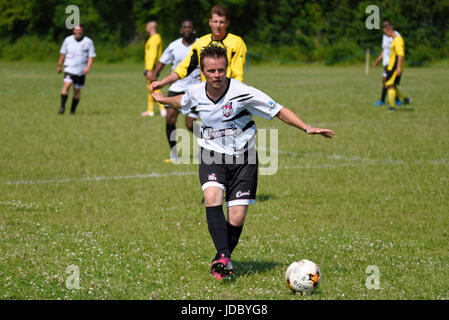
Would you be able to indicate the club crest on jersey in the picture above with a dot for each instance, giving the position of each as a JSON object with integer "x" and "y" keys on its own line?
{"x": 227, "y": 109}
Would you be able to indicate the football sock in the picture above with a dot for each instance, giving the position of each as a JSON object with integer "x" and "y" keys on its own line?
{"x": 63, "y": 100}
{"x": 74, "y": 104}
{"x": 384, "y": 93}
{"x": 217, "y": 228}
{"x": 150, "y": 98}
{"x": 391, "y": 97}
{"x": 399, "y": 94}
{"x": 233, "y": 235}
{"x": 169, "y": 128}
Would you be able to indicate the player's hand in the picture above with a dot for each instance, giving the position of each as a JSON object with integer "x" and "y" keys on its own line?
{"x": 327, "y": 133}
{"x": 86, "y": 70}
{"x": 59, "y": 69}
{"x": 375, "y": 64}
{"x": 149, "y": 75}
{"x": 398, "y": 71}
{"x": 157, "y": 96}
{"x": 155, "y": 86}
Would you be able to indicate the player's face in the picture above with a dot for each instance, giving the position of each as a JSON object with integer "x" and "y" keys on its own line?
{"x": 187, "y": 29}
{"x": 78, "y": 32}
{"x": 386, "y": 29}
{"x": 215, "y": 71}
{"x": 218, "y": 25}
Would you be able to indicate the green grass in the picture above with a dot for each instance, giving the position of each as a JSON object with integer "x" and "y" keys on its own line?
{"x": 377, "y": 194}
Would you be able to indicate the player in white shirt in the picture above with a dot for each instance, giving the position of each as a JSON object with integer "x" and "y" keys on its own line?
{"x": 77, "y": 53}
{"x": 174, "y": 54}
{"x": 384, "y": 56}
{"x": 228, "y": 160}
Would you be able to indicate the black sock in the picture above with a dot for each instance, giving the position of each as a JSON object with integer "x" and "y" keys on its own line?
{"x": 169, "y": 128}
{"x": 63, "y": 100}
{"x": 233, "y": 235}
{"x": 384, "y": 93}
{"x": 217, "y": 228}
{"x": 74, "y": 104}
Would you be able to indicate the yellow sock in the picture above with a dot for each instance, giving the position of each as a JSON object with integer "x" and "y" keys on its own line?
{"x": 150, "y": 99}
{"x": 392, "y": 97}
{"x": 400, "y": 94}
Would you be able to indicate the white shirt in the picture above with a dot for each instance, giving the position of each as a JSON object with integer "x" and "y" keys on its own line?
{"x": 386, "y": 45}
{"x": 227, "y": 125}
{"x": 174, "y": 54}
{"x": 76, "y": 54}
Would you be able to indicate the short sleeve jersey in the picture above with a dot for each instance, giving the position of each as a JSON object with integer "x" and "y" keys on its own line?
{"x": 76, "y": 54}
{"x": 174, "y": 54}
{"x": 397, "y": 49}
{"x": 386, "y": 44}
{"x": 236, "y": 53}
{"x": 227, "y": 125}
{"x": 153, "y": 51}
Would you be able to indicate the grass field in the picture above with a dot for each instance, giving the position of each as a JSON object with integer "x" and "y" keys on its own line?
{"x": 92, "y": 191}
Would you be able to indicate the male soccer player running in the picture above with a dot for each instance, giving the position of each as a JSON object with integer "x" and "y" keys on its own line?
{"x": 77, "y": 53}
{"x": 228, "y": 160}
{"x": 395, "y": 67}
{"x": 236, "y": 50}
{"x": 174, "y": 54}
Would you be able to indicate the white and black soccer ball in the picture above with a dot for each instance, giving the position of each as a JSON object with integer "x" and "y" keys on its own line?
{"x": 303, "y": 276}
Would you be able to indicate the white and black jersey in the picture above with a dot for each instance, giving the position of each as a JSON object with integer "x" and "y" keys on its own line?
{"x": 227, "y": 125}
{"x": 174, "y": 54}
{"x": 76, "y": 54}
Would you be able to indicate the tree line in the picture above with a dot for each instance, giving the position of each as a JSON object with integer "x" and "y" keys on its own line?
{"x": 287, "y": 30}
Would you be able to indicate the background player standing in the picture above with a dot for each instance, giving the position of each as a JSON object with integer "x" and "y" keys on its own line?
{"x": 153, "y": 51}
{"x": 174, "y": 54}
{"x": 236, "y": 50}
{"x": 228, "y": 159}
{"x": 395, "y": 67}
{"x": 384, "y": 56}
{"x": 77, "y": 53}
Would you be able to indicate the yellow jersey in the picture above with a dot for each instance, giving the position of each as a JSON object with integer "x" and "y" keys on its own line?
{"x": 153, "y": 51}
{"x": 236, "y": 52}
{"x": 397, "y": 49}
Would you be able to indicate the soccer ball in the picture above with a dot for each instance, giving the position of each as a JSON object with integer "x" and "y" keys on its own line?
{"x": 303, "y": 277}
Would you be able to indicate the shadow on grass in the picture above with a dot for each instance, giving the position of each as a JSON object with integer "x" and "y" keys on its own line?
{"x": 265, "y": 197}
{"x": 406, "y": 109}
{"x": 251, "y": 267}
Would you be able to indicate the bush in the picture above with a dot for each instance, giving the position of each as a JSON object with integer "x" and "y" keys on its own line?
{"x": 343, "y": 51}
{"x": 421, "y": 56}
{"x": 33, "y": 48}
{"x": 30, "y": 48}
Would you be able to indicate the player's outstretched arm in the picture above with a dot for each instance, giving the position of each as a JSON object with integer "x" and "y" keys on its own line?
{"x": 290, "y": 118}
{"x": 172, "y": 77}
{"x": 174, "y": 101}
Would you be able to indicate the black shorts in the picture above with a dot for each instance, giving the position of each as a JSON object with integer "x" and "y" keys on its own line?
{"x": 238, "y": 181}
{"x": 392, "y": 73}
{"x": 192, "y": 114}
{"x": 77, "y": 81}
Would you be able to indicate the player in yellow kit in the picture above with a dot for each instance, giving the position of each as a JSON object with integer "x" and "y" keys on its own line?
{"x": 153, "y": 51}
{"x": 235, "y": 48}
{"x": 395, "y": 67}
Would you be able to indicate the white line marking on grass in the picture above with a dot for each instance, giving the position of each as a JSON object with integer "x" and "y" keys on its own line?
{"x": 136, "y": 176}
{"x": 350, "y": 162}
